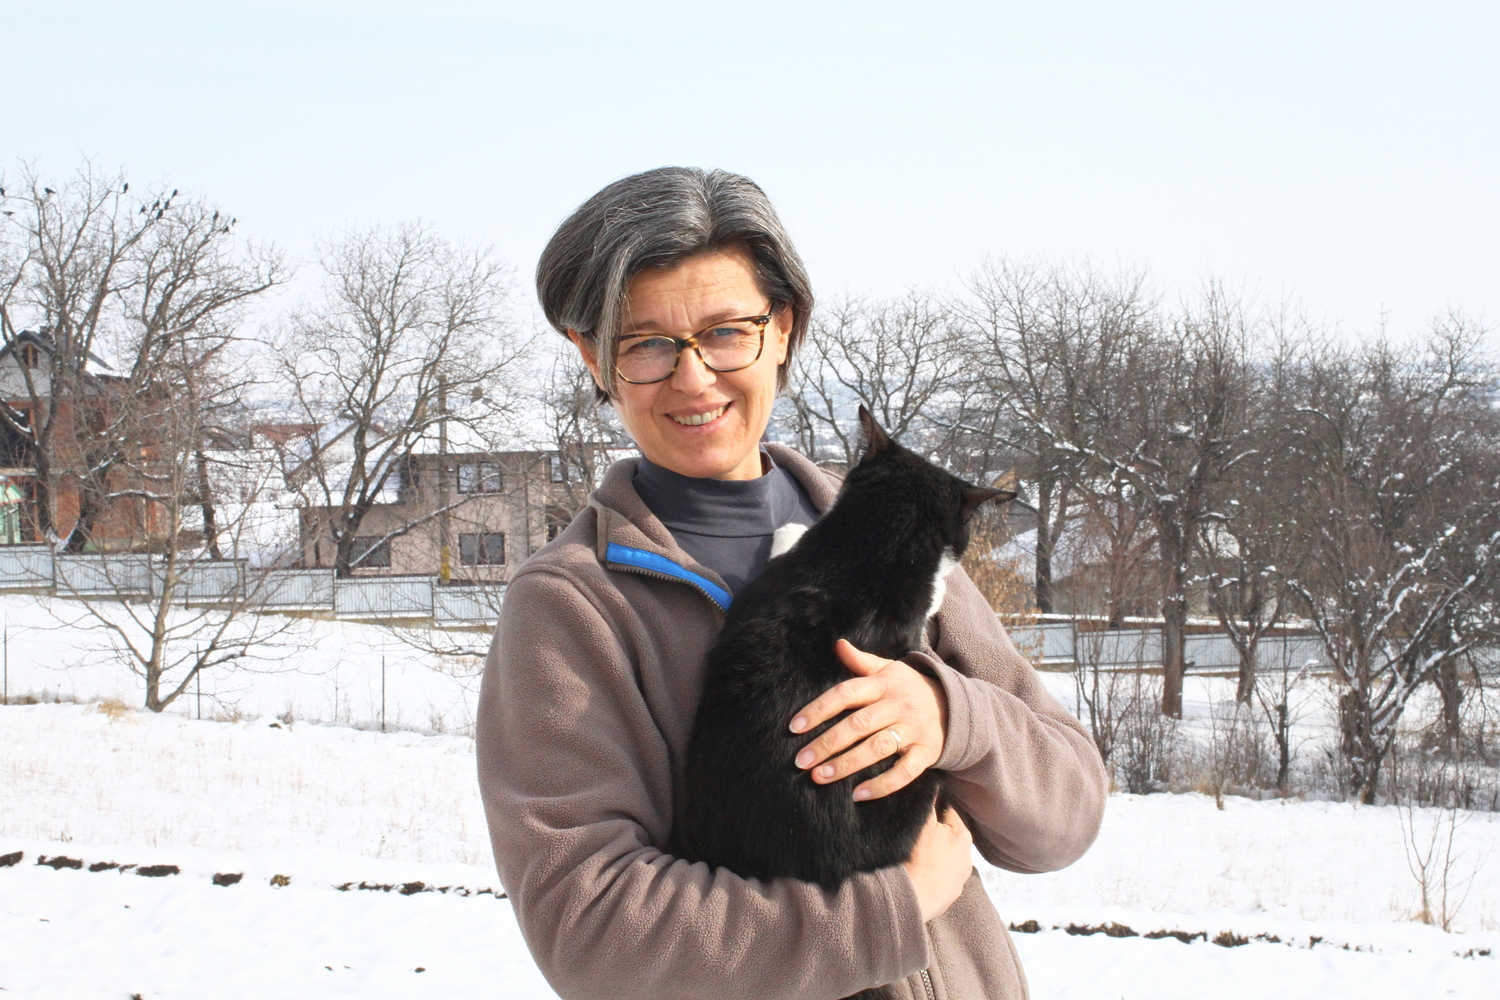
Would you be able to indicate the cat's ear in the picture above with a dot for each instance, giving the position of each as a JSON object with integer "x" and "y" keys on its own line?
{"x": 876, "y": 439}
{"x": 974, "y": 496}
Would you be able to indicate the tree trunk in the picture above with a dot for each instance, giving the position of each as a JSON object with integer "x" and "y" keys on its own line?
{"x": 1246, "y": 686}
{"x": 88, "y": 514}
{"x": 44, "y": 499}
{"x": 1043, "y": 573}
{"x": 1452, "y": 693}
{"x": 205, "y": 501}
{"x": 1283, "y": 745}
{"x": 1044, "y": 516}
{"x": 1358, "y": 744}
{"x": 1171, "y": 545}
{"x": 343, "y": 553}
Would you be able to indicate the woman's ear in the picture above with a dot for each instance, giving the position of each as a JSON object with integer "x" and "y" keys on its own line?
{"x": 783, "y": 318}
{"x": 590, "y": 354}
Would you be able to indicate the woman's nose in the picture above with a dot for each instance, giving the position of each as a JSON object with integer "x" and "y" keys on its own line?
{"x": 692, "y": 375}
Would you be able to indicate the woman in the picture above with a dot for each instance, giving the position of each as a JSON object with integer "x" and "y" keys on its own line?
{"x": 684, "y": 297}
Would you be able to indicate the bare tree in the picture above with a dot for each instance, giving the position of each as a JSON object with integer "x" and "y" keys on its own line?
{"x": 1249, "y": 551}
{"x": 1394, "y": 456}
{"x": 88, "y": 266}
{"x": 170, "y": 604}
{"x": 410, "y": 339}
{"x": 583, "y": 433}
{"x": 1169, "y": 423}
{"x": 900, "y": 358}
{"x": 1043, "y": 345}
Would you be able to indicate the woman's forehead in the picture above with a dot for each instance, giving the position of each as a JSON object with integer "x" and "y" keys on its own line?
{"x": 699, "y": 291}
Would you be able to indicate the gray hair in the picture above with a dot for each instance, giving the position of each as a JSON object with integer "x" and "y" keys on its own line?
{"x": 658, "y": 219}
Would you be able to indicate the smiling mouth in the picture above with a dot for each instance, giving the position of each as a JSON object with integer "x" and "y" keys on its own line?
{"x": 698, "y": 419}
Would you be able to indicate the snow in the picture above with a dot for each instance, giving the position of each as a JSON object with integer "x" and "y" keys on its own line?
{"x": 321, "y": 670}
{"x": 329, "y": 806}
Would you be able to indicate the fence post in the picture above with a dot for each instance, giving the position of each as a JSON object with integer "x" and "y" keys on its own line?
{"x": 382, "y": 694}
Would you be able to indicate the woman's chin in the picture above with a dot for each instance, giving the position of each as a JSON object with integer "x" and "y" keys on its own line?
{"x": 703, "y": 457}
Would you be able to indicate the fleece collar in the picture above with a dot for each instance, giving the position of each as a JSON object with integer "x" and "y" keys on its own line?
{"x": 630, "y": 536}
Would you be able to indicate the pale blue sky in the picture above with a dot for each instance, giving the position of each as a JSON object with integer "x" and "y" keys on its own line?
{"x": 1345, "y": 153}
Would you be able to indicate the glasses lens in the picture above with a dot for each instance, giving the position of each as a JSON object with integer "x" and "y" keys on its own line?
{"x": 734, "y": 345}
{"x": 646, "y": 359}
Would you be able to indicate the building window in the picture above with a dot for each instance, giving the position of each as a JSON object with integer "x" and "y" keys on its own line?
{"x": 557, "y": 469}
{"x": 370, "y": 552}
{"x": 482, "y": 548}
{"x": 557, "y": 520}
{"x": 479, "y": 477}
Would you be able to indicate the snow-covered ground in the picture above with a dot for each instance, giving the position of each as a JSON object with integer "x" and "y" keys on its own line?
{"x": 326, "y": 810}
{"x": 316, "y": 669}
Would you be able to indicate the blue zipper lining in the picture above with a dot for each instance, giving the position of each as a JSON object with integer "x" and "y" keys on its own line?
{"x": 628, "y": 556}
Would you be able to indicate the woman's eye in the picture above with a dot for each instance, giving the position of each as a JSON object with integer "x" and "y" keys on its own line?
{"x": 647, "y": 346}
{"x": 722, "y": 335}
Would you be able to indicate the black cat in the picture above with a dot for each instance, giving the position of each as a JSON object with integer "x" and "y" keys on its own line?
{"x": 871, "y": 571}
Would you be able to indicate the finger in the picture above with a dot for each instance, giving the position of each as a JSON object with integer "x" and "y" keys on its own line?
{"x": 858, "y": 725}
{"x": 882, "y": 744}
{"x": 853, "y": 693}
{"x": 857, "y": 660}
{"x": 906, "y": 770}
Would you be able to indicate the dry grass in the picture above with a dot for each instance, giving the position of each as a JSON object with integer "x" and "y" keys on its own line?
{"x": 113, "y": 707}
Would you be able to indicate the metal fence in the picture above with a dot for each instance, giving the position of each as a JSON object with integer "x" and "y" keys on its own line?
{"x": 131, "y": 576}
{"x": 466, "y": 605}
{"x": 25, "y": 567}
{"x": 128, "y": 575}
{"x": 383, "y": 597}
{"x": 1059, "y": 645}
{"x": 1063, "y": 646}
{"x": 292, "y": 589}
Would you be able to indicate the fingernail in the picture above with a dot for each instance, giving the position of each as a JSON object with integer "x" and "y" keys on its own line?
{"x": 860, "y": 794}
{"x": 799, "y": 724}
{"x": 826, "y": 771}
{"x": 805, "y": 758}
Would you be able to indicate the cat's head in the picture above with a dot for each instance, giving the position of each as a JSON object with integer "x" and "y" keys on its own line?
{"x": 908, "y": 481}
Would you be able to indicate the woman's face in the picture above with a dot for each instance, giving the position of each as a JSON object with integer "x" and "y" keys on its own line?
{"x": 662, "y": 417}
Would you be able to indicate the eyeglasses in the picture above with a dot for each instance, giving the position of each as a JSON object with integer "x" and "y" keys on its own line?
{"x": 727, "y": 346}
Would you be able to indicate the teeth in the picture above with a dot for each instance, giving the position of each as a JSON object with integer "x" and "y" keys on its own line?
{"x": 701, "y": 418}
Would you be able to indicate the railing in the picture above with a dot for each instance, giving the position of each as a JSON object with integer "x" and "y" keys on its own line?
{"x": 230, "y": 582}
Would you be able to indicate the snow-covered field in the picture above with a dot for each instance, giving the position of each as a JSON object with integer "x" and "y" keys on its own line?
{"x": 318, "y": 669}
{"x": 331, "y": 809}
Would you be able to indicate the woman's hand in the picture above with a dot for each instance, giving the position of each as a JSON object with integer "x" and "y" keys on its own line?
{"x": 898, "y": 711}
{"x": 940, "y": 863}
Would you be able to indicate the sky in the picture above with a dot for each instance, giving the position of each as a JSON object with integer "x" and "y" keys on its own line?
{"x": 1340, "y": 156}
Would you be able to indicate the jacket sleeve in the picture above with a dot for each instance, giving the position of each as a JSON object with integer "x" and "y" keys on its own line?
{"x": 1022, "y": 769}
{"x": 576, "y": 782}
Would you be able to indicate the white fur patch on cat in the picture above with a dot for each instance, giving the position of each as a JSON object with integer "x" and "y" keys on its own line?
{"x": 940, "y": 581}
{"x": 784, "y": 537}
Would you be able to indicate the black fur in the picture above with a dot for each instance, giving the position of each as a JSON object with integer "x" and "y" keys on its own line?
{"x": 864, "y": 572}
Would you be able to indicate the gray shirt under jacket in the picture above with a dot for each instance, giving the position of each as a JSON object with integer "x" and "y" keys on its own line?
{"x": 725, "y": 524}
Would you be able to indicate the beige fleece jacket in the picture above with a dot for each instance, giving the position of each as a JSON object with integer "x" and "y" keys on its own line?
{"x": 585, "y": 710}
